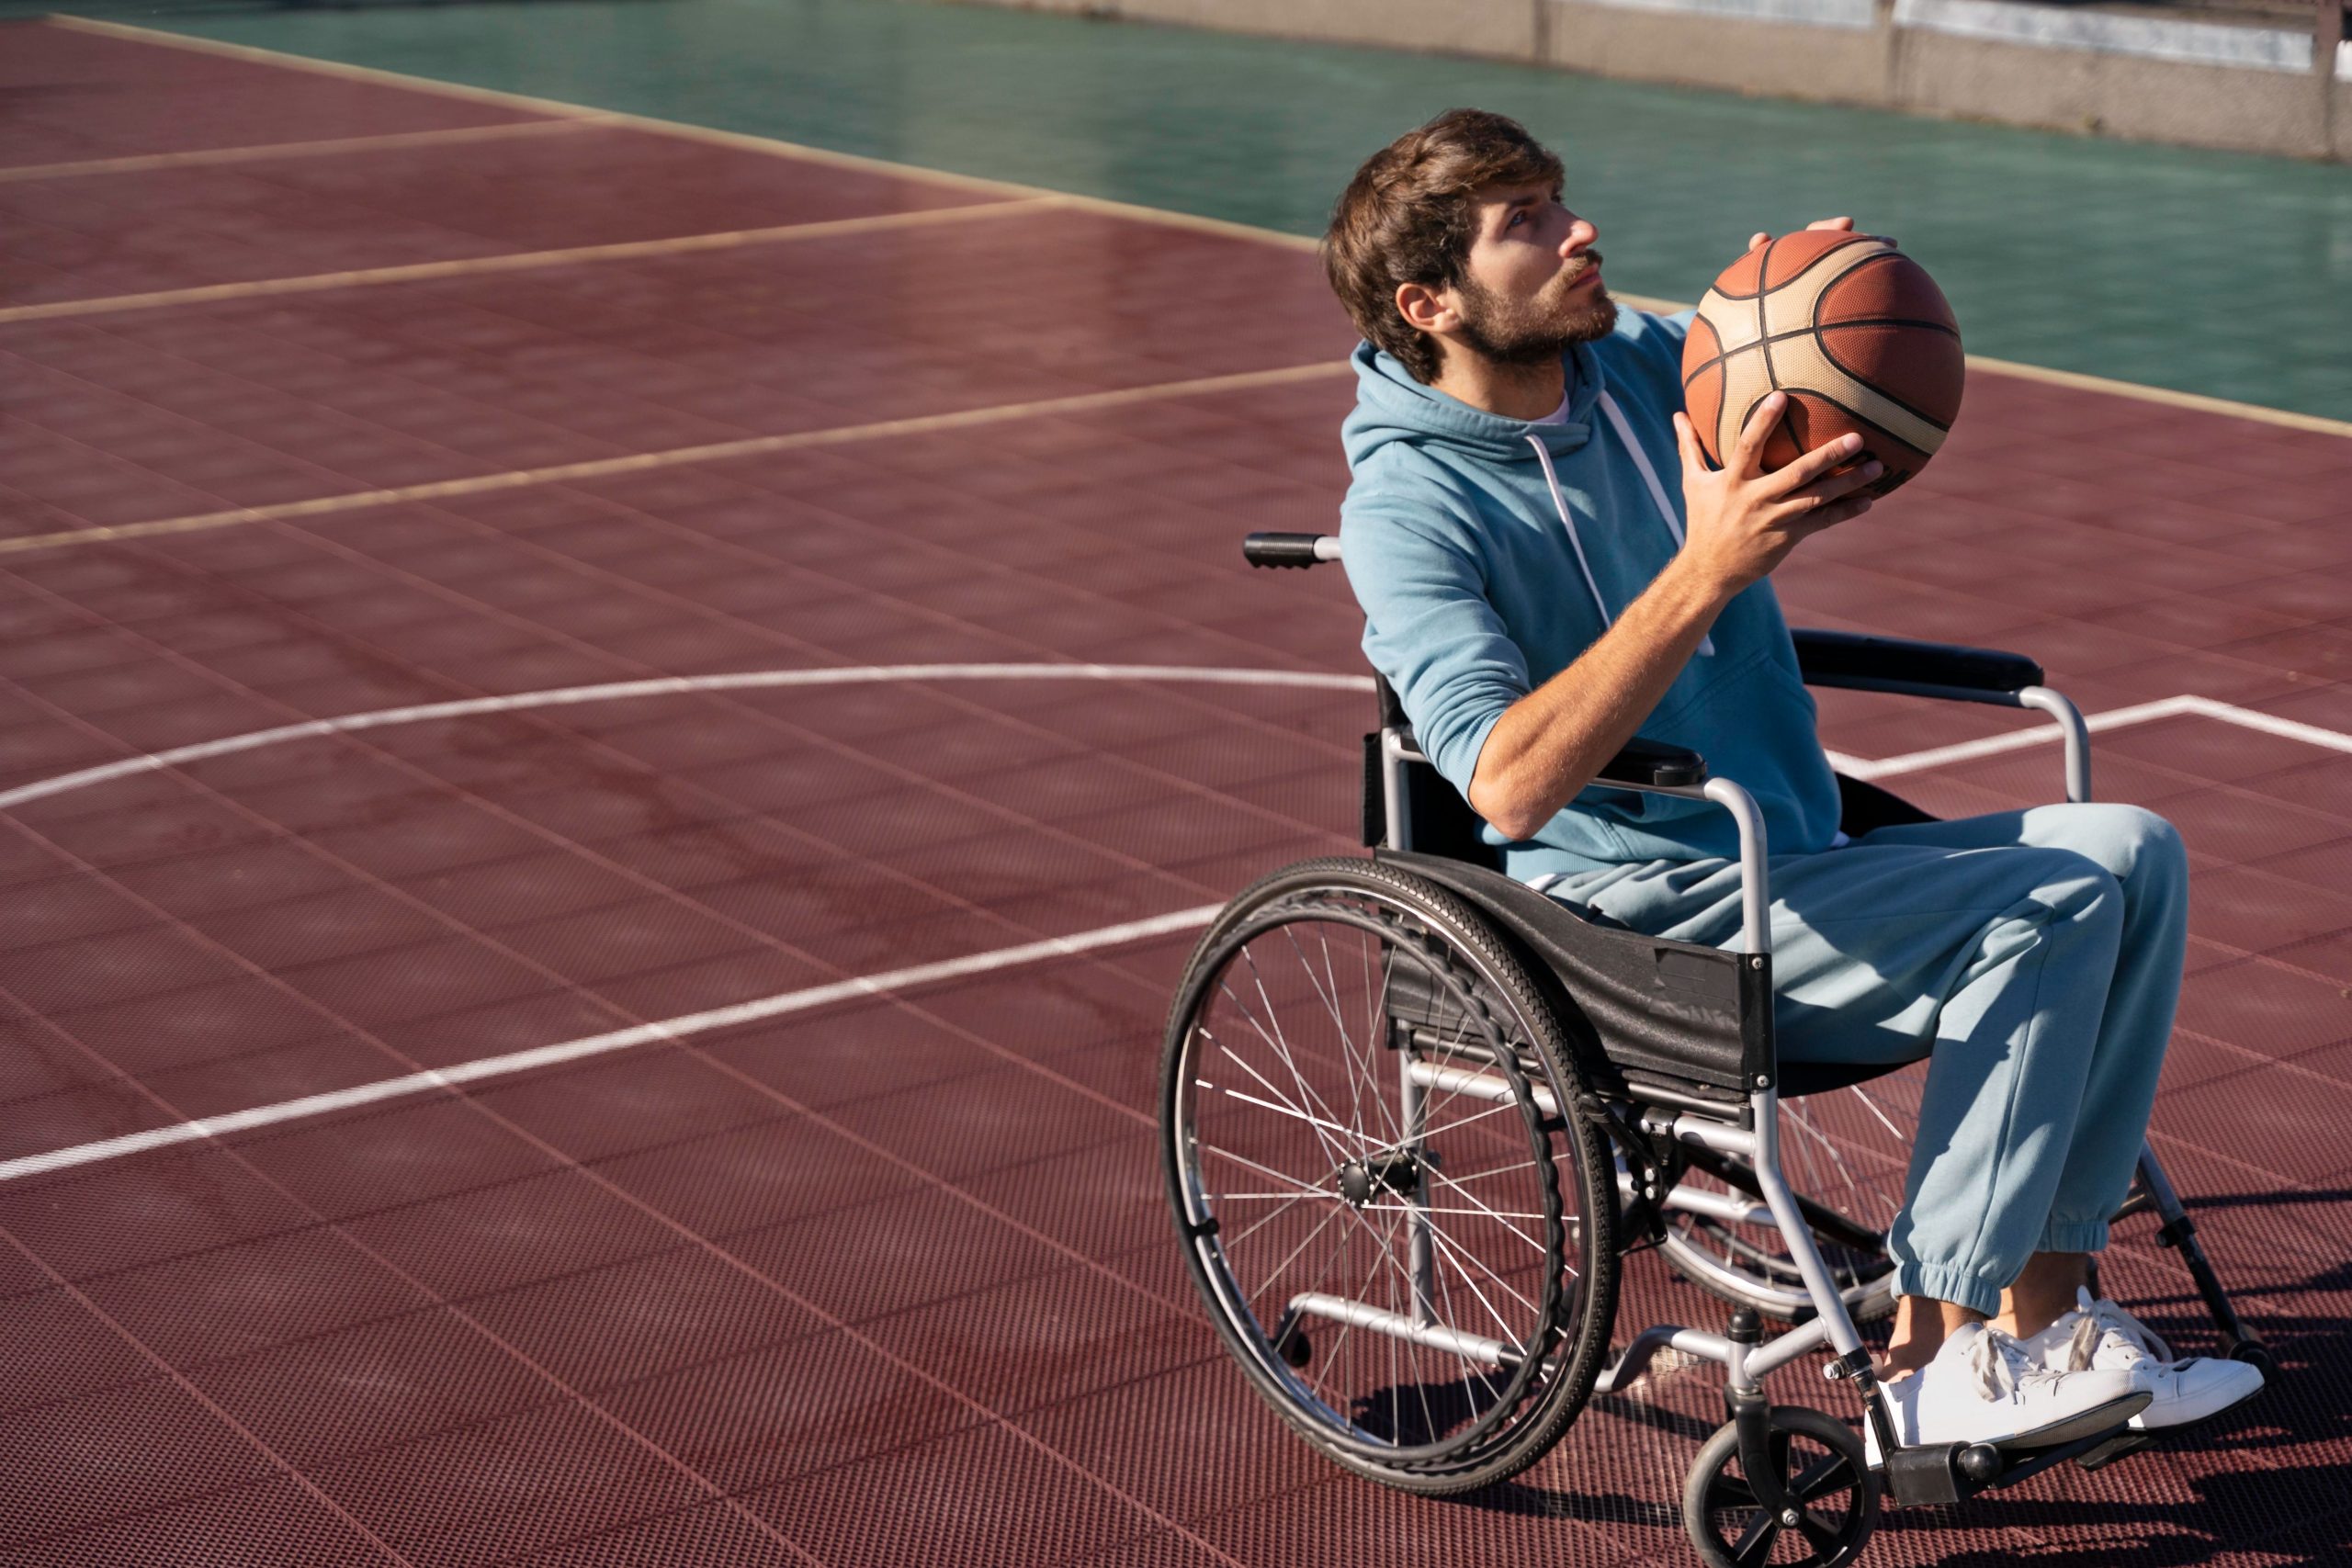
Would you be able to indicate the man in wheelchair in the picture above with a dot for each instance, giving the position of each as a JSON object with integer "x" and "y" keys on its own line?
{"x": 1535, "y": 596}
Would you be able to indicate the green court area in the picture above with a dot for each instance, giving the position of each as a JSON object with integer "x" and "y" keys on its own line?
{"x": 2213, "y": 273}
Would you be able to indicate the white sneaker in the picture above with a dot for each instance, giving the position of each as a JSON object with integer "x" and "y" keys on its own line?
{"x": 1983, "y": 1387}
{"x": 2103, "y": 1336}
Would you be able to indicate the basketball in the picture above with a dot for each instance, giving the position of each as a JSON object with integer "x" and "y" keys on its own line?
{"x": 1854, "y": 331}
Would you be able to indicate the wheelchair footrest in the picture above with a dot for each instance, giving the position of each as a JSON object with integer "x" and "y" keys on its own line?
{"x": 2123, "y": 1445}
{"x": 1950, "y": 1472}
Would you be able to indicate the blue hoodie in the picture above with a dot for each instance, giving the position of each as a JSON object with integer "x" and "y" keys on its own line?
{"x": 1485, "y": 570}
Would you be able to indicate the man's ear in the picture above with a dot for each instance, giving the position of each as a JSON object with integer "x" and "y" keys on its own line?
{"x": 1425, "y": 309}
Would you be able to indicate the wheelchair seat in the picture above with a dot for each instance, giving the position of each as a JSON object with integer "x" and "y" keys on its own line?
{"x": 1445, "y": 827}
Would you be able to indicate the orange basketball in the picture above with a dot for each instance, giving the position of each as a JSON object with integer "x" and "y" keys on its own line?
{"x": 1854, "y": 331}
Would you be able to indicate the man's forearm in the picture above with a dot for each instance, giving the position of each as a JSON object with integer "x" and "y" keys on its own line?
{"x": 1551, "y": 743}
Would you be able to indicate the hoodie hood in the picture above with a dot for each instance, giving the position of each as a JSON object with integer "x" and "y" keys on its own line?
{"x": 1392, "y": 406}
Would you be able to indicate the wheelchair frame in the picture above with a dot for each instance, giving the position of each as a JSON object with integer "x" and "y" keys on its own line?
{"x": 1721, "y": 1098}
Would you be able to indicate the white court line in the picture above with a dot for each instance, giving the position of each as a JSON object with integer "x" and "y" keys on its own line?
{"x": 2114, "y": 718}
{"x": 618, "y": 1040}
{"x": 895, "y": 979}
{"x": 527, "y": 261}
{"x": 673, "y": 685}
{"x": 82, "y": 168}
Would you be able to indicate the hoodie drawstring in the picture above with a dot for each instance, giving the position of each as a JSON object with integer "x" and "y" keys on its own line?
{"x": 1657, "y": 498}
{"x": 1567, "y": 520}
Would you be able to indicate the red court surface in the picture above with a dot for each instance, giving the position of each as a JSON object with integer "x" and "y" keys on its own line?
{"x": 877, "y": 1277}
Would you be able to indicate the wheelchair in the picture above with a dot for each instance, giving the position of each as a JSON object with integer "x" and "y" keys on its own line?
{"x": 1413, "y": 1113}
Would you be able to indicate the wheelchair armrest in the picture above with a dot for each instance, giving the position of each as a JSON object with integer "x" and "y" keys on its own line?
{"x": 1656, "y": 764}
{"x": 1653, "y": 764}
{"x": 1851, "y": 660}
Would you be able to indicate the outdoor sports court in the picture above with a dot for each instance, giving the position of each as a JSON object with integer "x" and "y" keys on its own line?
{"x": 616, "y": 732}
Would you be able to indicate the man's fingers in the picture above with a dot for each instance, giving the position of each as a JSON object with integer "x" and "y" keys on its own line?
{"x": 1787, "y": 478}
{"x": 1686, "y": 441}
{"x": 1757, "y": 238}
{"x": 1827, "y": 492}
{"x": 1747, "y": 454}
{"x": 1829, "y": 516}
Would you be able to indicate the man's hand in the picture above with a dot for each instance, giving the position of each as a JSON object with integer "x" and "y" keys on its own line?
{"x": 1842, "y": 225}
{"x": 1743, "y": 522}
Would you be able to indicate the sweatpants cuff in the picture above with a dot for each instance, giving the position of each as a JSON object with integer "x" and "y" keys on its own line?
{"x": 1947, "y": 1285}
{"x": 2073, "y": 1236}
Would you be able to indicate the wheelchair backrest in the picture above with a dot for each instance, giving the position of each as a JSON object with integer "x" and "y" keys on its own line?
{"x": 1436, "y": 820}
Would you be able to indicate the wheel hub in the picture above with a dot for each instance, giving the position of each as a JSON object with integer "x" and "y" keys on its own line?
{"x": 1398, "y": 1172}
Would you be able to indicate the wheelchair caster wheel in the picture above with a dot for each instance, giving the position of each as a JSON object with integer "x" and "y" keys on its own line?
{"x": 2256, "y": 1354}
{"x": 1818, "y": 1461}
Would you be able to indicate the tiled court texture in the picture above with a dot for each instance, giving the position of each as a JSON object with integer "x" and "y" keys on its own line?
{"x": 889, "y": 1281}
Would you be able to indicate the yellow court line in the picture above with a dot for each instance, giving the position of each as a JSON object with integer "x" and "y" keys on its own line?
{"x": 779, "y": 148}
{"x": 675, "y": 456}
{"x": 2198, "y": 400}
{"x": 470, "y": 266}
{"x": 264, "y": 150}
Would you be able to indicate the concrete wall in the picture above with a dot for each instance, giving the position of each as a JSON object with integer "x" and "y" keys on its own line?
{"x": 1502, "y": 27}
{"x": 2113, "y": 95}
{"x": 1504, "y": 30}
{"x": 2084, "y": 71}
{"x": 1827, "y": 62}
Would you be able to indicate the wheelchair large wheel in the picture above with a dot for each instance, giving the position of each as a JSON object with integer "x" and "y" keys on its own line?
{"x": 1401, "y": 1222}
{"x": 1846, "y": 1152}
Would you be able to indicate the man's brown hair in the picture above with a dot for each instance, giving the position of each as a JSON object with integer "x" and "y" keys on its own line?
{"x": 1409, "y": 216}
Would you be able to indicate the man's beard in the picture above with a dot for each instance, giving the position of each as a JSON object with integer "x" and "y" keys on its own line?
{"x": 1532, "y": 331}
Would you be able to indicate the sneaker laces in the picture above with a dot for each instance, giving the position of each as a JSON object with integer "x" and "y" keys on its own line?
{"x": 2002, "y": 1367}
{"x": 2094, "y": 1321}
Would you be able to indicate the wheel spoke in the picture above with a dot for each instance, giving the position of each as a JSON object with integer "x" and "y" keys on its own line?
{"x": 1495, "y": 1109}
{"x": 1822, "y": 1478}
{"x": 1756, "y": 1545}
{"x": 1321, "y": 1275}
{"x": 1380, "y": 1253}
{"x": 1282, "y": 1267}
{"x": 1498, "y": 1170}
{"x": 1472, "y": 1199}
{"x": 1434, "y": 1209}
{"x": 1281, "y": 1044}
{"x": 1261, "y": 1169}
{"x": 1330, "y": 1148}
{"x": 1297, "y": 1115}
{"x": 1823, "y": 1539}
{"x": 1287, "y": 1203}
{"x": 1360, "y": 1074}
{"x": 1454, "y": 1249}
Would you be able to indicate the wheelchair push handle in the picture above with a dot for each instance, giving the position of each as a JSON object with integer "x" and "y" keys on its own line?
{"x": 1290, "y": 549}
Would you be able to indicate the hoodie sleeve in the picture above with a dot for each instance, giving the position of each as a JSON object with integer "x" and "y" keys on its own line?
{"x": 1429, "y": 627}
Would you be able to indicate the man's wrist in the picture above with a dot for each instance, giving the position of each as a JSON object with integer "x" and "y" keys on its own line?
{"x": 1697, "y": 586}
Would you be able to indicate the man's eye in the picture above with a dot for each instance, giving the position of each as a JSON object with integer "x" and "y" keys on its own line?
{"x": 1516, "y": 219}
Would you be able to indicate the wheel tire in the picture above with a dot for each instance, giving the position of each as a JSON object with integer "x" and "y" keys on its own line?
{"x": 1721, "y": 1514}
{"x": 1558, "y": 1306}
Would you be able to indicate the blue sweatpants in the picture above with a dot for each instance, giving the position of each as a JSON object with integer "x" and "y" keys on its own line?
{"x": 2033, "y": 957}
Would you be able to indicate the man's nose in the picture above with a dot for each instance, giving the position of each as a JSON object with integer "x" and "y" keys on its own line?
{"x": 1581, "y": 233}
